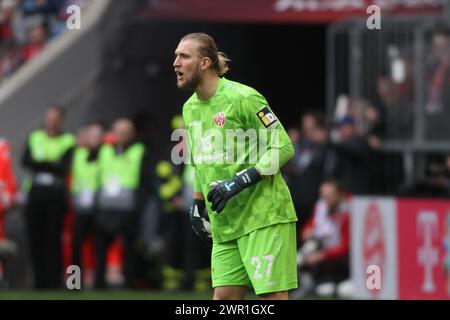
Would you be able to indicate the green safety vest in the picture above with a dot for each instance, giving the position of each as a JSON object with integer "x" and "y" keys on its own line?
{"x": 171, "y": 185}
{"x": 50, "y": 149}
{"x": 124, "y": 168}
{"x": 85, "y": 174}
{"x": 189, "y": 175}
{"x": 45, "y": 148}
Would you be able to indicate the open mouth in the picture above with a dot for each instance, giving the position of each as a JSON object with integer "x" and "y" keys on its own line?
{"x": 179, "y": 75}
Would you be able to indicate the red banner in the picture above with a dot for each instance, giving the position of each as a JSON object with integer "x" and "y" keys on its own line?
{"x": 409, "y": 240}
{"x": 283, "y": 11}
{"x": 424, "y": 249}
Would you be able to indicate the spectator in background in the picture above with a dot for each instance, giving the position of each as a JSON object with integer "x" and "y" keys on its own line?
{"x": 10, "y": 54}
{"x": 439, "y": 177}
{"x": 124, "y": 181}
{"x": 389, "y": 117}
{"x": 85, "y": 184}
{"x": 397, "y": 115}
{"x": 437, "y": 180}
{"x": 151, "y": 246}
{"x": 437, "y": 107}
{"x": 304, "y": 172}
{"x": 25, "y": 27}
{"x": 43, "y": 7}
{"x": 54, "y": 12}
{"x": 7, "y": 194}
{"x": 185, "y": 249}
{"x": 10, "y": 59}
{"x": 6, "y": 15}
{"x": 349, "y": 157}
{"x": 8, "y": 186}
{"x": 48, "y": 156}
{"x": 324, "y": 254}
{"x": 372, "y": 121}
{"x": 37, "y": 37}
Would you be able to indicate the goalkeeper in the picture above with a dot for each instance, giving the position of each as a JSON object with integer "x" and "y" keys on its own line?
{"x": 251, "y": 214}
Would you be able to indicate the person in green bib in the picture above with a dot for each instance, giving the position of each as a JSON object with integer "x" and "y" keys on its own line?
{"x": 47, "y": 156}
{"x": 85, "y": 185}
{"x": 125, "y": 174}
{"x": 237, "y": 147}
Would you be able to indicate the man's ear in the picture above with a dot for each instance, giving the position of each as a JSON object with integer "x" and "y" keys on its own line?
{"x": 205, "y": 64}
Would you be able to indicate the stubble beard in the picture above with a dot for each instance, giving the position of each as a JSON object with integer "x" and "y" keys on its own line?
{"x": 192, "y": 84}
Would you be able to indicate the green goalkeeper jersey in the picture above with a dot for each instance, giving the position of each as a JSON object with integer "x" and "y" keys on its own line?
{"x": 232, "y": 131}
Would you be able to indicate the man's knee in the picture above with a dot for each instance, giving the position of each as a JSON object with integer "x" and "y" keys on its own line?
{"x": 230, "y": 293}
{"x": 282, "y": 295}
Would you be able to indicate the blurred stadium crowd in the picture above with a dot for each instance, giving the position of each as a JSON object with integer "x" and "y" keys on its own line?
{"x": 25, "y": 27}
{"x": 99, "y": 199}
{"x": 121, "y": 214}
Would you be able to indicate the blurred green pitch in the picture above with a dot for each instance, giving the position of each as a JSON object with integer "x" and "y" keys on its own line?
{"x": 103, "y": 295}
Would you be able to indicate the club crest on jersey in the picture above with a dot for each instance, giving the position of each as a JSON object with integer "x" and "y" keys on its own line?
{"x": 267, "y": 118}
{"x": 219, "y": 119}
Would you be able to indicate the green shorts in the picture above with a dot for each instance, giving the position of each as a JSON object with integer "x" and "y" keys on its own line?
{"x": 265, "y": 259}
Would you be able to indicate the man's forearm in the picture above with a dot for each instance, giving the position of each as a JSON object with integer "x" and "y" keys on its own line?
{"x": 275, "y": 158}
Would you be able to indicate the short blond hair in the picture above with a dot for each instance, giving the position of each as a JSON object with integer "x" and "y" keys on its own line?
{"x": 208, "y": 48}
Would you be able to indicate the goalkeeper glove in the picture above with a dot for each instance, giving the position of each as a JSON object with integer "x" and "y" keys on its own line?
{"x": 224, "y": 191}
{"x": 199, "y": 220}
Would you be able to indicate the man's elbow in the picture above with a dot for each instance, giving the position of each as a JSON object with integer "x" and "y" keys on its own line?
{"x": 287, "y": 152}
{"x": 290, "y": 151}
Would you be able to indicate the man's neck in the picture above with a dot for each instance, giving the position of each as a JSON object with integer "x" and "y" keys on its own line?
{"x": 53, "y": 132}
{"x": 124, "y": 146}
{"x": 207, "y": 87}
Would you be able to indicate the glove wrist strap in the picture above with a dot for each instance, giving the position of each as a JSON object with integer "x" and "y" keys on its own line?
{"x": 248, "y": 177}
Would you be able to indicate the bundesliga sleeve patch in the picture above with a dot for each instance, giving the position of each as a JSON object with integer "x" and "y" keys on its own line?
{"x": 267, "y": 118}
